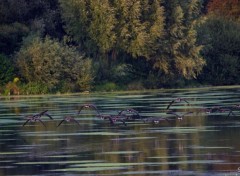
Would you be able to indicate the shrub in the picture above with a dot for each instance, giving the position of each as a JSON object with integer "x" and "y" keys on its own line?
{"x": 48, "y": 62}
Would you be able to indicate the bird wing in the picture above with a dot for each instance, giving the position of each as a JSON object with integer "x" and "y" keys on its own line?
{"x": 61, "y": 122}
{"x": 94, "y": 107}
{"x": 26, "y": 122}
{"x": 170, "y": 104}
{"x": 46, "y": 114}
{"x": 80, "y": 109}
{"x": 42, "y": 113}
{"x": 186, "y": 101}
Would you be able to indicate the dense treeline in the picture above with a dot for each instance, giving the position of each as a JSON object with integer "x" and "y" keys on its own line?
{"x": 81, "y": 45}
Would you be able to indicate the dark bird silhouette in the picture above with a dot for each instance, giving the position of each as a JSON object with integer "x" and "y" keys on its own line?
{"x": 92, "y": 106}
{"x": 68, "y": 119}
{"x": 34, "y": 119}
{"x": 179, "y": 116}
{"x": 130, "y": 114}
{"x": 177, "y": 100}
{"x": 44, "y": 113}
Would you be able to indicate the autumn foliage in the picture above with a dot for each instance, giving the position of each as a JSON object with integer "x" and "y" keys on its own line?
{"x": 229, "y": 8}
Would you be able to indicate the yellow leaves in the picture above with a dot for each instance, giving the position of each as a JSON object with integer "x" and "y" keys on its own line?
{"x": 189, "y": 67}
{"x": 162, "y": 64}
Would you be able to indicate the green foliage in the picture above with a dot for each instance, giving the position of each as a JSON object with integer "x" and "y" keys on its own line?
{"x": 33, "y": 88}
{"x": 107, "y": 87}
{"x": 6, "y": 69}
{"x": 221, "y": 38}
{"x": 131, "y": 26}
{"x": 180, "y": 54}
{"x": 48, "y": 62}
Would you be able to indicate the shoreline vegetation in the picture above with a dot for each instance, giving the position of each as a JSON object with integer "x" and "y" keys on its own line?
{"x": 125, "y": 91}
{"x": 62, "y": 46}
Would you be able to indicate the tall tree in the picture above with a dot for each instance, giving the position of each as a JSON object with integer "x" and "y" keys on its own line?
{"x": 180, "y": 54}
{"x": 132, "y": 26}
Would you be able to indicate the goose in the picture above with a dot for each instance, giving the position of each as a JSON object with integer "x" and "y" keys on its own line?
{"x": 177, "y": 100}
{"x": 88, "y": 106}
{"x": 125, "y": 112}
{"x": 34, "y": 119}
{"x": 68, "y": 119}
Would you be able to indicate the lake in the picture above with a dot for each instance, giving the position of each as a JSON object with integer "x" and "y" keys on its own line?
{"x": 199, "y": 144}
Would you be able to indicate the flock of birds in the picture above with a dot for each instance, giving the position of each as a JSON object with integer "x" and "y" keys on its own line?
{"x": 130, "y": 114}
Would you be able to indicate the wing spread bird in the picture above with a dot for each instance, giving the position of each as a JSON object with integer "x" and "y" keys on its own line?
{"x": 126, "y": 112}
{"x": 34, "y": 119}
{"x": 68, "y": 119}
{"x": 46, "y": 114}
{"x": 177, "y": 100}
{"x": 92, "y": 106}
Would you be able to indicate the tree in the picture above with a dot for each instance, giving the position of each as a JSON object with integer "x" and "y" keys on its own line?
{"x": 6, "y": 69}
{"x": 221, "y": 40}
{"x": 227, "y": 8}
{"x": 52, "y": 63}
{"x": 19, "y": 18}
{"x": 132, "y": 26}
{"x": 180, "y": 54}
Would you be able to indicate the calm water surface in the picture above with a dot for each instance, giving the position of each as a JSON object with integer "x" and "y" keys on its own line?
{"x": 200, "y": 144}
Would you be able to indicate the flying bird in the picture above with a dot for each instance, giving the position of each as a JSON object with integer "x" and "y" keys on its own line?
{"x": 37, "y": 117}
{"x": 92, "y": 106}
{"x": 68, "y": 119}
{"x": 130, "y": 114}
{"x": 34, "y": 119}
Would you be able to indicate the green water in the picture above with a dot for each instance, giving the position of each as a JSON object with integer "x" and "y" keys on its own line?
{"x": 200, "y": 144}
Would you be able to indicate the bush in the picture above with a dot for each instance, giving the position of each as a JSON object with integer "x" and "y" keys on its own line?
{"x": 108, "y": 87}
{"x": 48, "y": 62}
{"x": 33, "y": 88}
{"x": 6, "y": 69}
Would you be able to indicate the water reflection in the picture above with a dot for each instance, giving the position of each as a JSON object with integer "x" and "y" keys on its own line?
{"x": 198, "y": 144}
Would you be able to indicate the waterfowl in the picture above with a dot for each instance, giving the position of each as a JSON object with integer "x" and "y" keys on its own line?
{"x": 34, "y": 119}
{"x": 177, "y": 100}
{"x": 134, "y": 114}
{"x": 68, "y": 119}
{"x": 88, "y": 106}
{"x": 179, "y": 116}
